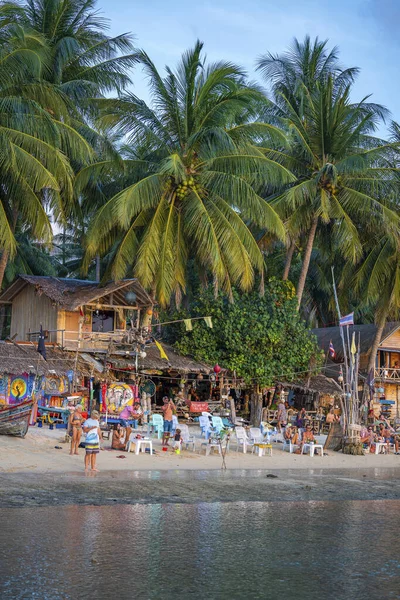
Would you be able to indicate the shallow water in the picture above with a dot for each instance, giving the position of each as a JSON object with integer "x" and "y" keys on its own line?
{"x": 258, "y": 550}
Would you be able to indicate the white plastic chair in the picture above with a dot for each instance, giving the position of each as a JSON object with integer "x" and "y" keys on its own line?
{"x": 187, "y": 438}
{"x": 287, "y": 445}
{"x": 242, "y": 439}
{"x": 256, "y": 436}
{"x": 175, "y": 423}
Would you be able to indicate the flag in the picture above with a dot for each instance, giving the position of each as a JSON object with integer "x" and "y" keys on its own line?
{"x": 161, "y": 349}
{"x": 208, "y": 321}
{"x": 332, "y": 351}
{"x": 188, "y": 324}
{"x": 371, "y": 383}
{"x": 353, "y": 348}
{"x": 41, "y": 346}
{"x": 347, "y": 320}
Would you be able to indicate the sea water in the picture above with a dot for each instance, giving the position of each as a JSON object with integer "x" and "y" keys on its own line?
{"x": 255, "y": 550}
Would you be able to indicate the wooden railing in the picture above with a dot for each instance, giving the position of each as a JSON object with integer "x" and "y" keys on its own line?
{"x": 388, "y": 374}
{"x": 94, "y": 340}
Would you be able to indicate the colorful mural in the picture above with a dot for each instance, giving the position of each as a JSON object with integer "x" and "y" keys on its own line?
{"x": 119, "y": 395}
{"x": 16, "y": 388}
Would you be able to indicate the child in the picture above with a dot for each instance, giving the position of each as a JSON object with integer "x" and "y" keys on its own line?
{"x": 92, "y": 429}
{"x": 178, "y": 440}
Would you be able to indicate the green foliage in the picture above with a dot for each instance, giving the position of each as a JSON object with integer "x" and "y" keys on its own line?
{"x": 260, "y": 338}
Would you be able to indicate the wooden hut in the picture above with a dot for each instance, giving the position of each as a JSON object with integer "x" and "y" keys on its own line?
{"x": 73, "y": 312}
{"x": 387, "y": 363}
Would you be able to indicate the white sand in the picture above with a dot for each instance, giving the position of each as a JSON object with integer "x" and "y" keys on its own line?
{"x": 37, "y": 453}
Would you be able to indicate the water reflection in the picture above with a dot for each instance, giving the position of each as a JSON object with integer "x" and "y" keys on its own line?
{"x": 210, "y": 551}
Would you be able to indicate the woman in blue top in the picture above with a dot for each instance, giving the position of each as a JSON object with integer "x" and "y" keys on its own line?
{"x": 92, "y": 429}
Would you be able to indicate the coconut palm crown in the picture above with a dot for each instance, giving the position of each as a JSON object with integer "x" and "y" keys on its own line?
{"x": 189, "y": 181}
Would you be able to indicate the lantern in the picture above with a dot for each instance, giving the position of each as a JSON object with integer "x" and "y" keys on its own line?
{"x": 149, "y": 312}
{"x": 217, "y": 369}
{"x": 340, "y": 378}
{"x": 200, "y": 376}
{"x": 130, "y": 297}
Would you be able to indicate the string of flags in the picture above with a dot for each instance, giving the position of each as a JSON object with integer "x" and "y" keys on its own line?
{"x": 189, "y": 325}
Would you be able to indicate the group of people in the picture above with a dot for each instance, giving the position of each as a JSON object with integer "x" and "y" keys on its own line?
{"x": 298, "y": 436}
{"x": 384, "y": 435}
{"x": 302, "y": 417}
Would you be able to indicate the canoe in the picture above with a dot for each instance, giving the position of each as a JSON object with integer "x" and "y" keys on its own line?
{"x": 14, "y": 419}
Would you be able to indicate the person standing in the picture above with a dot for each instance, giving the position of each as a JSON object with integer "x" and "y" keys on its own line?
{"x": 92, "y": 429}
{"x": 76, "y": 424}
{"x": 282, "y": 414}
{"x": 167, "y": 409}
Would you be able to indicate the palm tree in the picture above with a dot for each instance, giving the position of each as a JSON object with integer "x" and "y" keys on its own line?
{"x": 191, "y": 172}
{"x": 292, "y": 76}
{"x": 80, "y": 58}
{"x": 341, "y": 170}
{"x": 35, "y": 173}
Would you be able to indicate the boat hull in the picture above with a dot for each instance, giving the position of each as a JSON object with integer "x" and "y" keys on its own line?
{"x": 14, "y": 420}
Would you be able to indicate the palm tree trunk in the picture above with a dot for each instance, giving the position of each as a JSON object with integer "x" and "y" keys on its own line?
{"x": 288, "y": 261}
{"x": 306, "y": 261}
{"x": 374, "y": 350}
{"x": 98, "y": 268}
{"x": 3, "y": 264}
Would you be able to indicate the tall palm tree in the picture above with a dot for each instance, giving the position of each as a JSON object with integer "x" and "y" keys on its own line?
{"x": 80, "y": 57}
{"x": 291, "y": 76}
{"x": 190, "y": 176}
{"x": 35, "y": 173}
{"x": 341, "y": 170}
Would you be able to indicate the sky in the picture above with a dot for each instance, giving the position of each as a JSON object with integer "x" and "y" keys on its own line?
{"x": 366, "y": 32}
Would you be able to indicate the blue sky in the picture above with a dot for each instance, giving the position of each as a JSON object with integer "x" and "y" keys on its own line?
{"x": 364, "y": 30}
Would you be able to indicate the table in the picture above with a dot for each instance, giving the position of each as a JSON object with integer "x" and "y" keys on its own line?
{"x": 379, "y": 445}
{"x": 262, "y": 448}
{"x": 139, "y": 443}
{"x": 312, "y": 448}
{"x": 63, "y": 412}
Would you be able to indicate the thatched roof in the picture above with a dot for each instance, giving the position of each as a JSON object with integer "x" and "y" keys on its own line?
{"x": 24, "y": 358}
{"x": 69, "y": 294}
{"x": 153, "y": 362}
{"x": 319, "y": 383}
{"x": 366, "y": 332}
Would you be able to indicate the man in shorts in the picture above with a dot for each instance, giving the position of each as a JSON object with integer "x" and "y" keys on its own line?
{"x": 167, "y": 409}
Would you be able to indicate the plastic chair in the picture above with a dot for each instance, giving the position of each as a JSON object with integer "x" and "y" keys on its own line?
{"x": 205, "y": 427}
{"x": 187, "y": 438}
{"x": 217, "y": 424}
{"x": 242, "y": 439}
{"x": 157, "y": 422}
{"x": 255, "y": 435}
{"x": 175, "y": 424}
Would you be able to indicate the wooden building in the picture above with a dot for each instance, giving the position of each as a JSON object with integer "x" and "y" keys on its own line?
{"x": 74, "y": 313}
{"x": 387, "y": 363}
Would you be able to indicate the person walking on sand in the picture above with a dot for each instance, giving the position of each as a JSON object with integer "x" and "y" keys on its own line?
{"x": 92, "y": 429}
{"x": 167, "y": 409}
{"x": 76, "y": 420}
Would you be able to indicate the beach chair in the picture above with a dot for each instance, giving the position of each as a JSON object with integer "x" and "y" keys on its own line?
{"x": 188, "y": 439}
{"x": 205, "y": 427}
{"x": 217, "y": 424}
{"x": 175, "y": 424}
{"x": 242, "y": 440}
{"x": 287, "y": 445}
{"x": 157, "y": 422}
{"x": 256, "y": 436}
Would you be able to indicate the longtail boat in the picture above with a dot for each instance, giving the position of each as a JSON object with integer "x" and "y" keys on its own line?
{"x": 14, "y": 419}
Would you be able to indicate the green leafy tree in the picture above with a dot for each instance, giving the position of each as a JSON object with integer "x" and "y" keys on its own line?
{"x": 194, "y": 168}
{"x": 260, "y": 338}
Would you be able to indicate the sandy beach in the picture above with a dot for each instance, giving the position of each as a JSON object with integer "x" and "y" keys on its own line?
{"x": 36, "y": 453}
{"x": 34, "y": 472}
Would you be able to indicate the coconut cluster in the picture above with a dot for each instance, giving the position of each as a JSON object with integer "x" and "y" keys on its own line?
{"x": 184, "y": 187}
